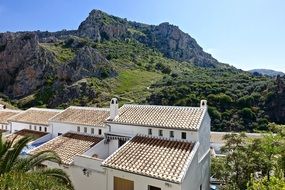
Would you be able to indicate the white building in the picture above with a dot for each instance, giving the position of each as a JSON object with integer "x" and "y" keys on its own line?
{"x": 80, "y": 119}
{"x": 5, "y": 114}
{"x": 33, "y": 119}
{"x": 140, "y": 147}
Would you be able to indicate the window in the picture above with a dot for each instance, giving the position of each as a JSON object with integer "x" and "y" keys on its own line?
{"x": 40, "y": 128}
{"x": 160, "y": 133}
{"x": 85, "y": 129}
{"x": 149, "y": 131}
{"x": 58, "y": 134}
{"x": 100, "y": 131}
{"x": 153, "y": 188}
{"x": 35, "y": 127}
{"x": 200, "y": 187}
{"x": 45, "y": 129}
{"x": 30, "y": 127}
{"x": 171, "y": 134}
{"x": 92, "y": 130}
{"x": 78, "y": 129}
{"x": 183, "y": 135}
{"x": 2, "y": 126}
{"x": 121, "y": 142}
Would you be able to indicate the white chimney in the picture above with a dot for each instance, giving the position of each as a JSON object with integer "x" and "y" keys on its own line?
{"x": 203, "y": 104}
{"x": 114, "y": 108}
{"x": 2, "y": 107}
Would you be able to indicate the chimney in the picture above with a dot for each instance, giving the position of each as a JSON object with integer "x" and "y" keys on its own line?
{"x": 203, "y": 104}
{"x": 114, "y": 108}
{"x": 2, "y": 107}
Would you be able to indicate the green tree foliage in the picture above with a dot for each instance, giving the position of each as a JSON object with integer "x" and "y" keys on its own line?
{"x": 263, "y": 158}
{"x": 18, "y": 172}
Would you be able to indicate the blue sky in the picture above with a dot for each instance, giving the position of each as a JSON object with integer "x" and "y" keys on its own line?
{"x": 245, "y": 33}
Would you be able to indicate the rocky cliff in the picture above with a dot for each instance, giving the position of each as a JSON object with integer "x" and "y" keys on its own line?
{"x": 30, "y": 60}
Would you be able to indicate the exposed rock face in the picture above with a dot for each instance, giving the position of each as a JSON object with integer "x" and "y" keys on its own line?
{"x": 276, "y": 104}
{"x": 177, "y": 45}
{"x": 100, "y": 26}
{"x": 31, "y": 61}
{"x": 24, "y": 65}
{"x": 168, "y": 39}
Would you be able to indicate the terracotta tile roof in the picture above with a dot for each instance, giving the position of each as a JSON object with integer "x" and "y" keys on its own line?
{"x": 6, "y": 114}
{"x": 35, "y": 116}
{"x": 83, "y": 115}
{"x": 159, "y": 158}
{"x": 24, "y": 133}
{"x": 188, "y": 118}
{"x": 69, "y": 145}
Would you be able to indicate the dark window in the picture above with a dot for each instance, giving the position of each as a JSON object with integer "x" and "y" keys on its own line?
{"x": 45, "y": 129}
{"x": 99, "y": 131}
{"x": 78, "y": 129}
{"x": 153, "y": 188}
{"x": 149, "y": 131}
{"x": 40, "y": 128}
{"x": 160, "y": 133}
{"x": 92, "y": 130}
{"x": 171, "y": 134}
{"x": 183, "y": 135}
{"x": 200, "y": 187}
{"x": 30, "y": 127}
{"x": 85, "y": 129}
{"x": 58, "y": 134}
{"x": 121, "y": 142}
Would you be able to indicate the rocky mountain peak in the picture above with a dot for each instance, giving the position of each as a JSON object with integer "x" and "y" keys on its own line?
{"x": 101, "y": 26}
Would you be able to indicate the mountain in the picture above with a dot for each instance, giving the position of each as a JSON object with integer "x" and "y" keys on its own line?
{"x": 109, "y": 56}
{"x": 267, "y": 72}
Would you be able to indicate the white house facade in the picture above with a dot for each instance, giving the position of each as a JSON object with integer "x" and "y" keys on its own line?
{"x": 135, "y": 147}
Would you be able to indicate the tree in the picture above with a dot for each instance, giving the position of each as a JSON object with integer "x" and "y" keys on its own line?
{"x": 13, "y": 167}
{"x": 235, "y": 148}
{"x": 262, "y": 184}
{"x": 263, "y": 158}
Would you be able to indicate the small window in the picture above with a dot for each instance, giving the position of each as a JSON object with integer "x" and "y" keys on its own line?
{"x": 160, "y": 133}
{"x": 183, "y": 135}
{"x": 171, "y": 134}
{"x": 153, "y": 188}
{"x": 78, "y": 129}
{"x": 85, "y": 129}
{"x": 40, "y": 128}
{"x": 92, "y": 130}
{"x": 30, "y": 127}
{"x": 149, "y": 131}
{"x": 58, "y": 134}
{"x": 100, "y": 131}
{"x": 35, "y": 127}
{"x": 45, "y": 129}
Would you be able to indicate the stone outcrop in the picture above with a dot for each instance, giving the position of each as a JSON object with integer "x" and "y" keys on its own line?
{"x": 30, "y": 61}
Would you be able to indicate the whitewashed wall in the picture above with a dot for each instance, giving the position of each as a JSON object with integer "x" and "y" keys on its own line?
{"x": 17, "y": 126}
{"x": 192, "y": 179}
{"x": 140, "y": 182}
{"x": 62, "y": 128}
{"x": 204, "y": 136}
{"x": 95, "y": 179}
{"x": 132, "y": 130}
